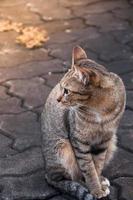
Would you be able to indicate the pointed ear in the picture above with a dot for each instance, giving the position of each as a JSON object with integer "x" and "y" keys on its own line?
{"x": 95, "y": 78}
{"x": 82, "y": 75}
{"x": 106, "y": 82}
{"x": 77, "y": 54}
{"x": 87, "y": 76}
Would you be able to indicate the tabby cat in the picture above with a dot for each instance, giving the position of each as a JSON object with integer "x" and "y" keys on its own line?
{"x": 79, "y": 125}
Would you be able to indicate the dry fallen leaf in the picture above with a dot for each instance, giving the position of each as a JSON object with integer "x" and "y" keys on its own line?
{"x": 32, "y": 37}
{"x": 17, "y": 27}
{"x": 5, "y": 25}
{"x": 8, "y": 25}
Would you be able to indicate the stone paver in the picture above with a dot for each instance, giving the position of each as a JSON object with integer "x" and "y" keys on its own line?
{"x": 24, "y": 129}
{"x": 6, "y": 146}
{"x": 31, "y": 186}
{"x": 125, "y": 139}
{"x": 127, "y": 120}
{"x": 128, "y": 80}
{"x": 30, "y": 70}
{"x": 22, "y": 163}
{"x": 122, "y": 67}
{"x": 105, "y": 30}
{"x": 101, "y": 19}
{"x": 11, "y": 105}
{"x": 20, "y": 13}
{"x": 125, "y": 184}
{"x": 121, "y": 165}
{"x": 32, "y": 91}
{"x": 129, "y": 99}
{"x": 99, "y": 7}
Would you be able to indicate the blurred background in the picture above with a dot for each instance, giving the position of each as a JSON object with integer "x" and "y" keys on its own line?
{"x": 30, "y": 68}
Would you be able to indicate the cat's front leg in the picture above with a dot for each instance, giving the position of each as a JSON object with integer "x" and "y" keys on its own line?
{"x": 102, "y": 156}
{"x": 99, "y": 156}
{"x": 87, "y": 167}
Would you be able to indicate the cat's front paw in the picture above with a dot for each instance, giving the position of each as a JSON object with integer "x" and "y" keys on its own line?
{"x": 105, "y": 182}
{"x": 100, "y": 193}
{"x": 105, "y": 185}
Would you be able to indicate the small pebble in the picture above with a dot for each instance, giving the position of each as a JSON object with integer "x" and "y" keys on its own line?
{"x": 68, "y": 30}
{"x": 49, "y": 73}
{"x": 47, "y": 18}
{"x": 66, "y": 23}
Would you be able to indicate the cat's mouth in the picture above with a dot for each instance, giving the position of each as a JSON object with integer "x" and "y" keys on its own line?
{"x": 68, "y": 104}
{"x": 65, "y": 103}
{"x": 61, "y": 100}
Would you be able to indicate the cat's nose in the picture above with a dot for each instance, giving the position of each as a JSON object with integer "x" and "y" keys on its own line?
{"x": 59, "y": 98}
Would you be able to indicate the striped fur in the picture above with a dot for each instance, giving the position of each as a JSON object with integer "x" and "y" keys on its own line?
{"x": 79, "y": 124}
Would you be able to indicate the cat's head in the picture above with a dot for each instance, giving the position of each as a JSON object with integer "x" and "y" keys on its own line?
{"x": 83, "y": 79}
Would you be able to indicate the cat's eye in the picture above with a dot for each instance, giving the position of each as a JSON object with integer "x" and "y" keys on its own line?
{"x": 65, "y": 91}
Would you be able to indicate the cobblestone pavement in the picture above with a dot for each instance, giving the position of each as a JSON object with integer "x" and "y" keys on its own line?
{"x": 105, "y": 29}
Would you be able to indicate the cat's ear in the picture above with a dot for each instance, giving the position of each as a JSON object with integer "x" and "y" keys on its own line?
{"x": 87, "y": 76}
{"x": 106, "y": 82}
{"x": 82, "y": 75}
{"x": 94, "y": 78}
{"x": 77, "y": 54}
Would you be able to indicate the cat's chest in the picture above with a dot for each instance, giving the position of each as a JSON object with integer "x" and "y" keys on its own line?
{"x": 85, "y": 121}
{"x": 87, "y": 128}
{"x": 81, "y": 120}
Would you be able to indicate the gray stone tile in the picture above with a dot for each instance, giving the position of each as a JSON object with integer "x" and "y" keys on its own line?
{"x": 98, "y": 7}
{"x": 128, "y": 79}
{"x": 24, "y": 129}
{"x": 126, "y": 185}
{"x": 33, "y": 91}
{"x": 12, "y": 3}
{"x": 121, "y": 165}
{"x": 30, "y": 69}
{"x": 125, "y": 138}
{"x": 67, "y": 3}
{"x": 22, "y": 163}
{"x": 15, "y": 57}
{"x": 28, "y": 187}
{"x": 123, "y": 36}
{"x": 107, "y": 49}
{"x": 122, "y": 67}
{"x": 63, "y": 197}
{"x": 3, "y": 94}
{"x": 125, "y": 13}
{"x": 106, "y": 22}
{"x": 66, "y": 25}
{"x": 127, "y": 119}
{"x": 51, "y": 10}
{"x": 130, "y": 99}
{"x": 6, "y": 149}
{"x": 20, "y": 13}
{"x": 113, "y": 193}
{"x": 11, "y": 105}
{"x": 74, "y": 35}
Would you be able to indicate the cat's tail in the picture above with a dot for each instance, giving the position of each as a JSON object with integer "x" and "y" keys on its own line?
{"x": 72, "y": 188}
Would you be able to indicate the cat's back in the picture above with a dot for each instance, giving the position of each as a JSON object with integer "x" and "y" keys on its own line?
{"x": 53, "y": 115}
{"x": 119, "y": 93}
